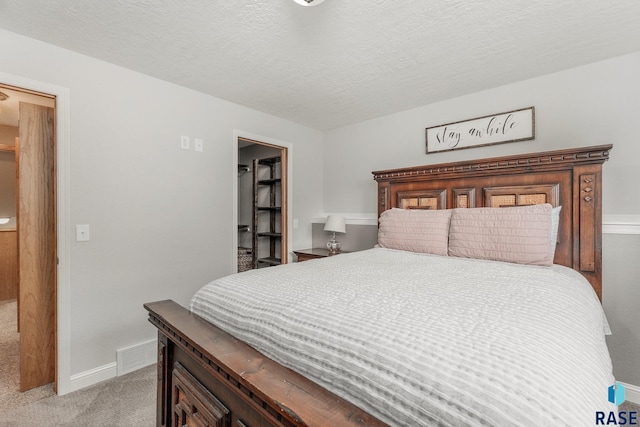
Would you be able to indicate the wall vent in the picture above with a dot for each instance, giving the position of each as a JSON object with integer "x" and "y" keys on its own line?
{"x": 135, "y": 357}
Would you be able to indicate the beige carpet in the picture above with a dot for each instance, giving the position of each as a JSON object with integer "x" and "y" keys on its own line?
{"x": 10, "y": 395}
{"x": 630, "y": 407}
{"x": 126, "y": 401}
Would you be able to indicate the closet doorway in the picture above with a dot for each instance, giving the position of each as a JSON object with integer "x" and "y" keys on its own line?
{"x": 262, "y": 204}
{"x": 28, "y": 148}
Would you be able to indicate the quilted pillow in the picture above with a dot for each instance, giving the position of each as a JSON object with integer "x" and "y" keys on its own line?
{"x": 519, "y": 234}
{"x": 415, "y": 230}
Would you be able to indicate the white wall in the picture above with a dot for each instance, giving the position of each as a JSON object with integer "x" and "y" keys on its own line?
{"x": 160, "y": 217}
{"x": 621, "y": 297}
{"x": 590, "y": 105}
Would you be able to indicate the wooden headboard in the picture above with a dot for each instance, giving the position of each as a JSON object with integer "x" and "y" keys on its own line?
{"x": 570, "y": 178}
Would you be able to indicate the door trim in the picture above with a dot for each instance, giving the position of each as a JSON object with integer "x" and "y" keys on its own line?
{"x": 234, "y": 184}
{"x": 62, "y": 111}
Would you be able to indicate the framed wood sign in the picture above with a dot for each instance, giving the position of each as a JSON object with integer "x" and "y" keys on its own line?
{"x": 512, "y": 126}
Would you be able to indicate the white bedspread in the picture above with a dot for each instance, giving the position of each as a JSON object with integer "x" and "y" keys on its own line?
{"x": 423, "y": 340}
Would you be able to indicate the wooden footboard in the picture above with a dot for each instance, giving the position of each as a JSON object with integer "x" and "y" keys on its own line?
{"x": 206, "y": 377}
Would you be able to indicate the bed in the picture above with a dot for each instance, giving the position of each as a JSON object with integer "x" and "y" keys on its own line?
{"x": 446, "y": 340}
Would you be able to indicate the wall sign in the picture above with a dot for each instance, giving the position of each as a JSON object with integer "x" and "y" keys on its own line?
{"x": 518, "y": 125}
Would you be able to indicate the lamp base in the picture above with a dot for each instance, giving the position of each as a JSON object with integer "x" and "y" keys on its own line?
{"x": 334, "y": 247}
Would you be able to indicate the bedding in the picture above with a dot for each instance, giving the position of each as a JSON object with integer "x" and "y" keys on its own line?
{"x": 420, "y": 340}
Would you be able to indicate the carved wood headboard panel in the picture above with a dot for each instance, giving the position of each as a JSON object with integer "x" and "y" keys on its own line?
{"x": 570, "y": 178}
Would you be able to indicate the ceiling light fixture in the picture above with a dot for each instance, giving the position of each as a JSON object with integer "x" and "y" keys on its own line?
{"x": 308, "y": 2}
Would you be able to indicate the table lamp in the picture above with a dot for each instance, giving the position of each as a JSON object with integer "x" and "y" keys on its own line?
{"x": 335, "y": 224}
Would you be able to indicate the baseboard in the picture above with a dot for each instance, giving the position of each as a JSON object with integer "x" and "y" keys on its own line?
{"x": 137, "y": 356}
{"x": 631, "y": 393}
{"x": 127, "y": 360}
{"x": 92, "y": 376}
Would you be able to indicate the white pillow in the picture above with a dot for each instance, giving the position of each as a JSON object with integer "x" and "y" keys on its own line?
{"x": 555, "y": 223}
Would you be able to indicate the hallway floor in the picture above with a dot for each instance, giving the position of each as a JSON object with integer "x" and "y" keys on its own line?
{"x": 10, "y": 396}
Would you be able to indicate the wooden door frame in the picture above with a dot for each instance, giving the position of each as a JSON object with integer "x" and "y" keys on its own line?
{"x": 63, "y": 326}
{"x": 287, "y": 174}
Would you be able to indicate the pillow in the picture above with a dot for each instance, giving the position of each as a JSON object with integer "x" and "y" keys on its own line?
{"x": 415, "y": 230}
{"x": 555, "y": 223}
{"x": 519, "y": 234}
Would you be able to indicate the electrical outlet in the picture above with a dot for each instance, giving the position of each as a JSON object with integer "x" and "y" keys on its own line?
{"x": 184, "y": 142}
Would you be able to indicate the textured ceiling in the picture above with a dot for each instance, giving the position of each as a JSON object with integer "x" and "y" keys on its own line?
{"x": 342, "y": 61}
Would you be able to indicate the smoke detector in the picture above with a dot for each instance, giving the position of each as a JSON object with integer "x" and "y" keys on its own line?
{"x": 308, "y": 2}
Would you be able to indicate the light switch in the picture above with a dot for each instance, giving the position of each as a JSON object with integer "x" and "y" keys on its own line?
{"x": 198, "y": 144}
{"x": 296, "y": 224}
{"x": 82, "y": 232}
{"x": 184, "y": 142}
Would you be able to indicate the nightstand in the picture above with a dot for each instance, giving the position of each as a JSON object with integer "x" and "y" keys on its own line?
{"x": 313, "y": 253}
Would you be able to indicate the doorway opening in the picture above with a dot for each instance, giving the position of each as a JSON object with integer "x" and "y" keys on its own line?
{"x": 28, "y": 234}
{"x": 262, "y": 204}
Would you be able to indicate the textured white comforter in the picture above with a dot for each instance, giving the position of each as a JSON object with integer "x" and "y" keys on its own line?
{"x": 422, "y": 340}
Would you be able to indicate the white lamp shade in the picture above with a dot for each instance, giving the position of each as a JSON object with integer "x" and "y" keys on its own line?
{"x": 308, "y": 2}
{"x": 335, "y": 223}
